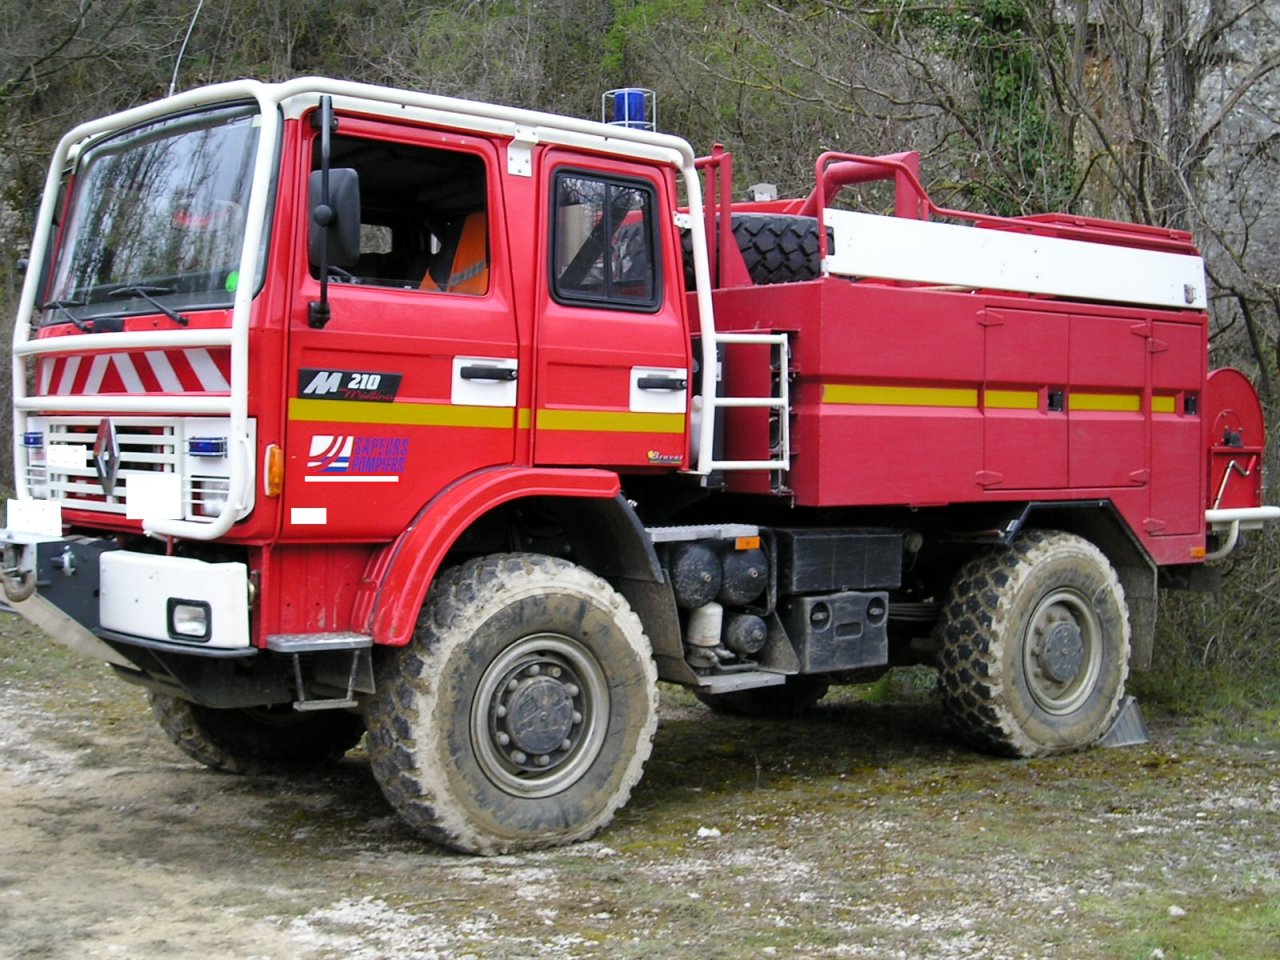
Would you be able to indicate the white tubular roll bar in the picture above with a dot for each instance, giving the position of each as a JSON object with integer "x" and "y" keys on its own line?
{"x": 235, "y": 405}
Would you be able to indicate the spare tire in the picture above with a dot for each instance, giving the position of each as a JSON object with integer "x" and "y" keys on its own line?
{"x": 777, "y": 247}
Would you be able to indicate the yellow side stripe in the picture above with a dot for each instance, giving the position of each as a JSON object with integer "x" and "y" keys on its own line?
{"x": 502, "y": 418}
{"x": 1105, "y": 402}
{"x": 610, "y": 421}
{"x": 401, "y": 413}
{"x": 963, "y": 397}
{"x": 886, "y": 396}
{"x": 1011, "y": 399}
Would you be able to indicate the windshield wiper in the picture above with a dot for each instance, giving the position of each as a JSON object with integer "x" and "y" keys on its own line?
{"x": 145, "y": 291}
{"x": 61, "y": 307}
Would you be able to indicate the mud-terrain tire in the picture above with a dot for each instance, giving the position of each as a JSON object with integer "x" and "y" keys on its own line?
{"x": 1034, "y": 646}
{"x": 797, "y": 696}
{"x": 260, "y": 740}
{"x": 777, "y": 248}
{"x": 521, "y": 714}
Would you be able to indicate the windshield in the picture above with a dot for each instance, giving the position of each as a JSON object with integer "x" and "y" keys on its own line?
{"x": 157, "y": 215}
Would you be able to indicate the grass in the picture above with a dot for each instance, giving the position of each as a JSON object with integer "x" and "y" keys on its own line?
{"x": 1226, "y": 927}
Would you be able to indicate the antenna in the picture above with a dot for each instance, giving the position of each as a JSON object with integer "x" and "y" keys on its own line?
{"x": 173, "y": 84}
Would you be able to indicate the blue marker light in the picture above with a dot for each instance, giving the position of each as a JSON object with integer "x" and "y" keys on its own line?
{"x": 207, "y": 446}
{"x": 630, "y": 107}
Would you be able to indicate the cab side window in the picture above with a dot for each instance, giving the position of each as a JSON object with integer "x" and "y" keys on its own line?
{"x": 603, "y": 242}
{"x": 423, "y": 216}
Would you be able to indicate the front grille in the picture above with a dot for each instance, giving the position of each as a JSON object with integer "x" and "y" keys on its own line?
{"x": 61, "y": 468}
{"x": 145, "y": 445}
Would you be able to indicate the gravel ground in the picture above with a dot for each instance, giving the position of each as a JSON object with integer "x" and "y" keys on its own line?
{"x": 863, "y": 830}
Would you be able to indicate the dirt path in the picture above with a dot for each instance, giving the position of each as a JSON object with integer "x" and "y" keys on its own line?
{"x": 863, "y": 831}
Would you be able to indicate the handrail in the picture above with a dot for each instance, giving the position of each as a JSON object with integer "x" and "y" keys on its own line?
{"x": 727, "y": 266}
{"x": 121, "y": 342}
{"x": 910, "y": 199}
{"x": 1232, "y": 521}
{"x": 834, "y": 170}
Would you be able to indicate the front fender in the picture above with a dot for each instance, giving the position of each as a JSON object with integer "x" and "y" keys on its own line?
{"x": 397, "y": 581}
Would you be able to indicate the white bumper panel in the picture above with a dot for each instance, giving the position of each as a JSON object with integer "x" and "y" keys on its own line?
{"x": 139, "y": 592}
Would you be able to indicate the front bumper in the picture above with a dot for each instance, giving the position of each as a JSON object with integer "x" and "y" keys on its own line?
{"x": 149, "y": 600}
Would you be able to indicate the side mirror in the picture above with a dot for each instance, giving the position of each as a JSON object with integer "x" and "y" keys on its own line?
{"x": 336, "y": 223}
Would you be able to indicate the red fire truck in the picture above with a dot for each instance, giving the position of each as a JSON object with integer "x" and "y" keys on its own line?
{"x": 342, "y": 409}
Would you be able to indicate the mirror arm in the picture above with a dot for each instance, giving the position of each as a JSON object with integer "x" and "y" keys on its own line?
{"x": 318, "y": 310}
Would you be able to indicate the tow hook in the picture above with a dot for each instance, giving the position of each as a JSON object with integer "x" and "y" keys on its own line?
{"x": 18, "y": 584}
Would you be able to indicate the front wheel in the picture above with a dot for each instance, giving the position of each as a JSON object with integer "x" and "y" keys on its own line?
{"x": 522, "y": 712}
{"x": 1034, "y": 646}
{"x": 257, "y": 740}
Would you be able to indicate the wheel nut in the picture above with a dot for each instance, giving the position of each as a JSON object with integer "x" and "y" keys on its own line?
{"x": 503, "y": 739}
{"x": 571, "y": 689}
{"x": 542, "y": 761}
{"x": 566, "y": 744}
{"x": 519, "y": 756}
{"x": 534, "y": 670}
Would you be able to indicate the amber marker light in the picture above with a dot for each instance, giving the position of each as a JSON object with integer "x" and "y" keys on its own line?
{"x": 273, "y": 470}
{"x": 746, "y": 543}
{"x": 1198, "y": 553}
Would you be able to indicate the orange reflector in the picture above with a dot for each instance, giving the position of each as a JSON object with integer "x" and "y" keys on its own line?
{"x": 273, "y": 471}
{"x": 746, "y": 543}
{"x": 1198, "y": 553}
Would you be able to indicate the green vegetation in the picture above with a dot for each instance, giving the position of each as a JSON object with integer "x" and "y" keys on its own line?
{"x": 1217, "y": 656}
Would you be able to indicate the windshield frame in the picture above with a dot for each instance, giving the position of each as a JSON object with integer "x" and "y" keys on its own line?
{"x": 86, "y": 217}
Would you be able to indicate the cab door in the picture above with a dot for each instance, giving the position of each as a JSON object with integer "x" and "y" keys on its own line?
{"x": 612, "y": 351}
{"x": 412, "y": 382}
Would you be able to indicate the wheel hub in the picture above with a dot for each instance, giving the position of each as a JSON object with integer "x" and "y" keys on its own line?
{"x": 1061, "y": 655}
{"x": 539, "y": 714}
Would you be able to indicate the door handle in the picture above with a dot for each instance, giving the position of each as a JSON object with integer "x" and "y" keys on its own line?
{"x": 662, "y": 383}
{"x": 487, "y": 373}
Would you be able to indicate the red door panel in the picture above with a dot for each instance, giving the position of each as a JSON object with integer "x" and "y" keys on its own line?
{"x": 612, "y": 351}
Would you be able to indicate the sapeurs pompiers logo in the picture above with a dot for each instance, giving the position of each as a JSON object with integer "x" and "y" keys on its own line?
{"x": 344, "y": 457}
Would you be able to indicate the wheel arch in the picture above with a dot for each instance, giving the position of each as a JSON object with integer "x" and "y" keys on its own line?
{"x": 594, "y": 524}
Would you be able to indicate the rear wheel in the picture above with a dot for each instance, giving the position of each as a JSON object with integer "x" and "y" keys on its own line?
{"x": 521, "y": 714}
{"x": 255, "y": 740}
{"x": 1034, "y": 646}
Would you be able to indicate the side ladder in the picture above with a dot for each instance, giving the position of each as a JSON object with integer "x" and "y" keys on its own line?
{"x": 778, "y": 403}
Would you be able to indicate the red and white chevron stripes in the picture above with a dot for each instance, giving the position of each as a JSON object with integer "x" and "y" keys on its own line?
{"x": 152, "y": 371}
